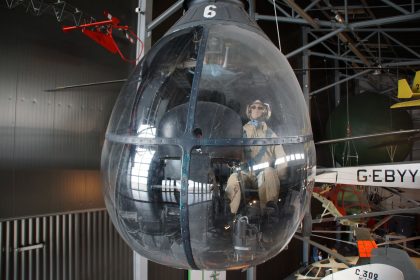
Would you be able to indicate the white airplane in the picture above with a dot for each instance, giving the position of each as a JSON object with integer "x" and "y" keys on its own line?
{"x": 385, "y": 264}
{"x": 395, "y": 175}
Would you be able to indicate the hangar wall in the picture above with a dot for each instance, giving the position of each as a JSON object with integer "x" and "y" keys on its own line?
{"x": 51, "y": 141}
{"x": 77, "y": 245}
{"x": 52, "y": 221}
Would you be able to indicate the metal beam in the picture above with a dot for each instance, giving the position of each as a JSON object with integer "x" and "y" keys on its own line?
{"x": 346, "y": 14}
{"x": 381, "y": 222}
{"x": 394, "y": 191}
{"x": 324, "y": 248}
{"x": 381, "y": 21}
{"x": 360, "y": 42}
{"x": 163, "y": 16}
{"x": 296, "y": 20}
{"x": 343, "y": 37}
{"x": 401, "y": 44}
{"x": 335, "y": 239}
{"x": 140, "y": 267}
{"x": 337, "y": 88}
{"x": 145, "y": 8}
{"x": 313, "y": 43}
{"x": 313, "y": 3}
{"x": 302, "y": 13}
{"x": 251, "y": 273}
{"x": 341, "y": 81}
{"x": 398, "y": 8}
{"x": 415, "y": 210}
{"x": 306, "y": 232}
{"x": 399, "y": 240}
{"x": 251, "y": 10}
{"x": 414, "y": 29}
{"x": 350, "y": 44}
{"x": 322, "y": 43}
{"x": 403, "y": 63}
{"x": 335, "y": 57}
{"x": 305, "y": 65}
{"x": 338, "y": 140}
{"x": 278, "y": 8}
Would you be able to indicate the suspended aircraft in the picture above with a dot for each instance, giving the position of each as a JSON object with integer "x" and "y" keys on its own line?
{"x": 407, "y": 92}
{"x": 183, "y": 184}
{"x": 158, "y": 140}
{"x": 207, "y": 69}
{"x": 385, "y": 263}
{"x": 373, "y": 261}
{"x": 179, "y": 184}
{"x": 102, "y": 32}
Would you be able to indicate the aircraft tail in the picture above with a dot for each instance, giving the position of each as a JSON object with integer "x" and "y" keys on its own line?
{"x": 416, "y": 83}
{"x": 404, "y": 90}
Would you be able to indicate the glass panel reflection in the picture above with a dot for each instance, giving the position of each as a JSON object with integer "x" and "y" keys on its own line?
{"x": 160, "y": 84}
{"x": 148, "y": 201}
{"x": 252, "y": 78}
{"x": 244, "y": 202}
{"x": 245, "y": 208}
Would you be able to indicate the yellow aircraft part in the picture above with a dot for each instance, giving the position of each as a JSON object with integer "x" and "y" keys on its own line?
{"x": 415, "y": 88}
{"x": 406, "y": 104}
{"x": 404, "y": 90}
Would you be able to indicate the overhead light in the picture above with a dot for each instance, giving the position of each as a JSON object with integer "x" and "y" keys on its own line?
{"x": 377, "y": 70}
{"x": 339, "y": 18}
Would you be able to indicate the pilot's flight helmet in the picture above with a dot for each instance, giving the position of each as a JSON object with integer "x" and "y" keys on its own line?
{"x": 266, "y": 112}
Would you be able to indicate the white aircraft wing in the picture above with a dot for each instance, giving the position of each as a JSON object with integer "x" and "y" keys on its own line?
{"x": 375, "y": 271}
{"x": 396, "y": 175}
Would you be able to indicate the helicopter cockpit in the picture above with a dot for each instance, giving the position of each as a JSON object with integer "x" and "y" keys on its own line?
{"x": 186, "y": 183}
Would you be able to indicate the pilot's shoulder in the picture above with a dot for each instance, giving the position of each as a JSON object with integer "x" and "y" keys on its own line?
{"x": 248, "y": 127}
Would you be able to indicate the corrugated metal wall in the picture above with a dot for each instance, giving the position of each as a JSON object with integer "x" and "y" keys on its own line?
{"x": 79, "y": 245}
{"x": 41, "y": 129}
{"x": 50, "y": 142}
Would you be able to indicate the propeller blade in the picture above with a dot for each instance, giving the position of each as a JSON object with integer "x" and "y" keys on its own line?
{"x": 85, "y": 85}
{"x": 367, "y": 215}
{"x": 339, "y": 140}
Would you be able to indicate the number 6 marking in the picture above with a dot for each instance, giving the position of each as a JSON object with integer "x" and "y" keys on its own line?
{"x": 209, "y": 11}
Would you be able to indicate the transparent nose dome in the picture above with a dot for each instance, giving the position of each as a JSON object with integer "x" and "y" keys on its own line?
{"x": 209, "y": 160}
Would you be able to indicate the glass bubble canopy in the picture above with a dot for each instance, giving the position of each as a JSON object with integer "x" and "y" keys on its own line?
{"x": 209, "y": 161}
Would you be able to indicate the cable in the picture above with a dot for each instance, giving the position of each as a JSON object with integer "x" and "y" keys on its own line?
{"x": 277, "y": 22}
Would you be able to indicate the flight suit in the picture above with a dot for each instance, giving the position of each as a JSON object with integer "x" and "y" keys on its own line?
{"x": 267, "y": 179}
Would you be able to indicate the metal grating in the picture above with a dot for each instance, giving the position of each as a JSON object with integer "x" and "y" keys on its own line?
{"x": 80, "y": 245}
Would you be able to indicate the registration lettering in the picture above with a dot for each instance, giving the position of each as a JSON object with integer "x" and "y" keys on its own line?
{"x": 387, "y": 175}
{"x": 366, "y": 275}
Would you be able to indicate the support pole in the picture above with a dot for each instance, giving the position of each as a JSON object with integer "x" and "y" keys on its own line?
{"x": 144, "y": 9}
{"x": 251, "y": 9}
{"x": 337, "y": 88}
{"x": 306, "y": 232}
{"x": 305, "y": 65}
{"x": 140, "y": 267}
{"x": 144, "y": 17}
{"x": 251, "y": 273}
{"x": 307, "y": 220}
